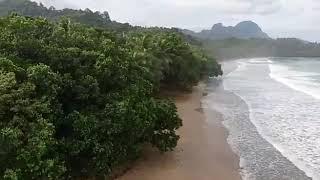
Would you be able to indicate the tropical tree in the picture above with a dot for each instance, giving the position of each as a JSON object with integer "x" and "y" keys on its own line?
{"x": 81, "y": 101}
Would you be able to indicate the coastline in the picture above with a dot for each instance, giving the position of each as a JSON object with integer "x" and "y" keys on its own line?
{"x": 202, "y": 152}
{"x": 260, "y": 159}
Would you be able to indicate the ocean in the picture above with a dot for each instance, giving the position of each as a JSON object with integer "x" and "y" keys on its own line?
{"x": 271, "y": 107}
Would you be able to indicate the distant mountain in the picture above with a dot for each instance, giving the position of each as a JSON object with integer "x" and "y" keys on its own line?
{"x": 243, "y": 30}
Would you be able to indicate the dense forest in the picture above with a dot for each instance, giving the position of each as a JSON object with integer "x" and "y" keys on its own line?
{"x": 244, "y": 48}
{"x": 33, "y": 9}
{"x": 78, "y": 100}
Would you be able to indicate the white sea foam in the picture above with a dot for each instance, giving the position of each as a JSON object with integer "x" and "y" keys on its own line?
{"x": 297, "y": 80}
{"x": 259, "y": 60}
{"x": 289, "y": 120}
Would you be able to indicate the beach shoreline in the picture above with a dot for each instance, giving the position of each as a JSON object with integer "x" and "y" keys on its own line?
{"x": 202, "y": 153}
{"x": 248, "y": 99}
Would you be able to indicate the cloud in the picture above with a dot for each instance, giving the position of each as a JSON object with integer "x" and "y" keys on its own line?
{"x": 235, "y": 6}
{"x": 294, "y": 15}
{"x": 230, "y": 6}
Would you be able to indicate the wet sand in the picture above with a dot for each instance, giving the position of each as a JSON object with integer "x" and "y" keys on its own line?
{"x": 202, "y": 153}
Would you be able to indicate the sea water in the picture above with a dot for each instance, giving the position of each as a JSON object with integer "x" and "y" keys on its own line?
{"x": 278, "y": 136}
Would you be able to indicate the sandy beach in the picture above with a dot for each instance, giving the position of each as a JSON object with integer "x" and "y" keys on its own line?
{"x": 202, "y": 153}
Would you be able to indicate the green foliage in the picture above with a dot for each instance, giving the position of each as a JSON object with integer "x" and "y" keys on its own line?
{"x": 243, "y": 48}
{"x": 26, "y": 133}
{"x": 33, "y": 9}
{"x": 79, "y": 101}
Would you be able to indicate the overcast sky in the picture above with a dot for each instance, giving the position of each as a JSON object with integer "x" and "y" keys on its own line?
{"x": 279, "y": 18}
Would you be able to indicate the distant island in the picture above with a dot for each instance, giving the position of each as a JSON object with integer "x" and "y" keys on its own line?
{"x": 243, "y": 30}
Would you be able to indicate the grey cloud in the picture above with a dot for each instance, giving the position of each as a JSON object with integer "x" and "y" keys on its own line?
{"x": 266, "y": 6}
{"x": 296, "y": 15}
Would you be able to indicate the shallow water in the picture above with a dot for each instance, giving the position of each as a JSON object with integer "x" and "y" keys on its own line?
{"x": 270, "y": 106}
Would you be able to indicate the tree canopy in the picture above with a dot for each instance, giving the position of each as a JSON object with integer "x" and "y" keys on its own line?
{"x": 80, "y": 101}
{"x": 243, "y": 48}
{"x": 86, "y": 16}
